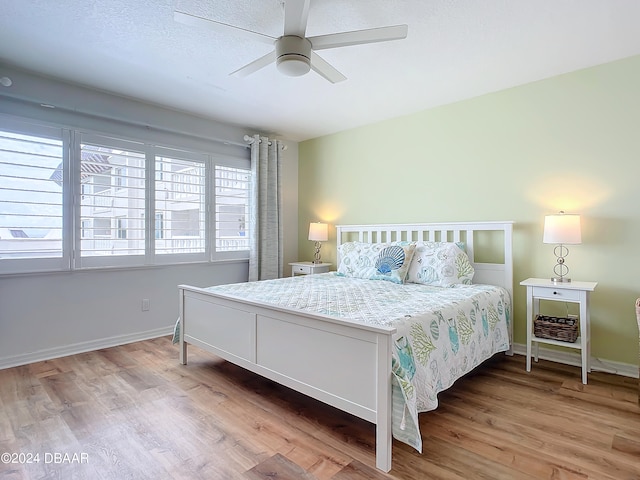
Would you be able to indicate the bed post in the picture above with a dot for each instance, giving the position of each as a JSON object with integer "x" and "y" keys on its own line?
{"x": 183, "y": 344}
{"x": 384, "y": 438}
{"x": 508, "y": 272}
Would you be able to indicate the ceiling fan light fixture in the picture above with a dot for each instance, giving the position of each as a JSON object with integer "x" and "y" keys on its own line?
{"x": 293, "y": 55}
{"x": 293, "y": 65}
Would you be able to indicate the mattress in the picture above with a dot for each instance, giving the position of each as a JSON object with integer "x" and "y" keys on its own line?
{"x": 442, "y": 333}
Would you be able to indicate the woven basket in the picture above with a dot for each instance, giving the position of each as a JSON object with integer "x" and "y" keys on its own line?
{"x": 556, "y": 328}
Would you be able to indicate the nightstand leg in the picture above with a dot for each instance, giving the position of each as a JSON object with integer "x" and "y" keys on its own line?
{"x": 534, "y": 314}
{"x": 585, "y": 336}
{"x": 529, "y": 326}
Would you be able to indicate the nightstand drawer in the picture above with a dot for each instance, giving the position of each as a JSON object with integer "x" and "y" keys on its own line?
{"x": 560, "y": 293}
{"x": 300, "y": 269}
{"x": 308, "y": 268}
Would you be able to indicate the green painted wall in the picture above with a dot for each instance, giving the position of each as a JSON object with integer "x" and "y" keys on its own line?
{"x": 569, "y": 143}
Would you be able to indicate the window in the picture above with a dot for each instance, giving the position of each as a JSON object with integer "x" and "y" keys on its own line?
{"x": 159, "y": 226}
{"x": 101, "y": 228}
{"x": 101, "y": 182}
{"x": 31, "y": 197}
{"x": 180, "y": 193}
{"x": 232, "y": 208}
{"x": 117, "y": 171}
{"x": 119, "y": 177}
{"x": 73, "y": 200}
{"x": 186, "y": 223}
{"x": 122, "y": 228}
{"x": 160, "y": 165}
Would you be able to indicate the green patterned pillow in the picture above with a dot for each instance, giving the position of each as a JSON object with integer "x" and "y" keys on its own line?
{"x": 375, "y": 261}
{"x": 441, "y": 264}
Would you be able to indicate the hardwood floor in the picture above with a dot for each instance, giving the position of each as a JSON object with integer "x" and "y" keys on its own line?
{"x": 134, "y": 412}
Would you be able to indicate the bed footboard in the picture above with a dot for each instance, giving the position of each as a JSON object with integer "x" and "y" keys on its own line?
{"x": 341, "y": 363}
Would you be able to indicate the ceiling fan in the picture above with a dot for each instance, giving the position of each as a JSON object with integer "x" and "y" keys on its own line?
{"x": 294, "y": 53}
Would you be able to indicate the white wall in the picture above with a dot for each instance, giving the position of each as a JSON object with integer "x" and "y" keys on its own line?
{"x": 50, "y": 315}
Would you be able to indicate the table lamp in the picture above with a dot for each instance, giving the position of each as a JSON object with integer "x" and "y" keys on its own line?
{"x": 318, "y": 232}
{"x": 562, "y": 229}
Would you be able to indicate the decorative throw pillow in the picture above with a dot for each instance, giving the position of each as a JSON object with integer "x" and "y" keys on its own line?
{"x": 440, "y": 264}
{"x": 375, "y": 261}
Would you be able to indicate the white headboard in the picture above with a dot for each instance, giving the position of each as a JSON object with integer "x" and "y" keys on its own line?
{"x": 500, "y": 274}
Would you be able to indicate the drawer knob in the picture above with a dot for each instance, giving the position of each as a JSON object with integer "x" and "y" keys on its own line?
{"x": 555, "y": 293}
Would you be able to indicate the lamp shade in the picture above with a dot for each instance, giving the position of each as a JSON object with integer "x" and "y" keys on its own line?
{"x": 562, "y": 228}
{"x": 318, "y": 232}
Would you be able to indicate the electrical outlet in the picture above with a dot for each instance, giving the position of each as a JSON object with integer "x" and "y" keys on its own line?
{"x": 145, "y": 304}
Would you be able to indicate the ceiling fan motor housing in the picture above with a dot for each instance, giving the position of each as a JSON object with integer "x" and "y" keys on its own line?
{"x": 293, "y": 55}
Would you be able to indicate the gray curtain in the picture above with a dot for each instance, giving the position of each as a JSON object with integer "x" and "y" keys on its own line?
{"x": 265, "y": 257}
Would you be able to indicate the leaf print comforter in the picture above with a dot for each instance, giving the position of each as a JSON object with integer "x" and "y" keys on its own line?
{"x": 442, "y": 333}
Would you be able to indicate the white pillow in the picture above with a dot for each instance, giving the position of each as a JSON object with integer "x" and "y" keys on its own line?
{"x": 440, "y": 264}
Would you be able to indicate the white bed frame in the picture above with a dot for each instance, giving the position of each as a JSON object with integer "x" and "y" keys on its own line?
{"x": 264, "y": 338}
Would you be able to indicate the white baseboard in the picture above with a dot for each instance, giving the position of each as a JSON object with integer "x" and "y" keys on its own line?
{"x": 63, "y": 351}
{"x": 572, "y": 358}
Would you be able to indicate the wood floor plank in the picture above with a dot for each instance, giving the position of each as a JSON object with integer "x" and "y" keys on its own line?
{"x": 578, "y": 453}
{"x": 553, "y": 422}
{"x": 484, "y": 442}
{"x": 359, "y": 471}
{"x": 547, "y": 434}
{"x": 137, "y": 413}
{"x": 595, "y": 419}
{"x": 335, "y": 433}
{"x": 280, "y": 467}
{"x": 627, "y": 444}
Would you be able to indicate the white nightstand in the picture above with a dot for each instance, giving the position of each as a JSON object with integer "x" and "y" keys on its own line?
{"x": 575, "y": 292}
{"x": 308, "y": 268}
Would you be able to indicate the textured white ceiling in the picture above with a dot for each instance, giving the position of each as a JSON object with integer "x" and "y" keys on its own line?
{"x": 455, "y": 49}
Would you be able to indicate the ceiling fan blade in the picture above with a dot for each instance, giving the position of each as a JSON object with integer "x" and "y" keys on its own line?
{"x": 324, "y": 69}
{"x": 194, "y": 20}
{"x": 296, "y": 14}
{"x": 255, "y": 65}
{"x": 358, "y": 37}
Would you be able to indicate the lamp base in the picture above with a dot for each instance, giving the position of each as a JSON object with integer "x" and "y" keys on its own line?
{"x": 560, "y": 268}
{"x": 316, "y": 256}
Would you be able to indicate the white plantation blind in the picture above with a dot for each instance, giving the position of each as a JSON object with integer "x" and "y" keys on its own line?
{"x": 113, "y": 196}
{"x": 180, "y": 213}
{"x": 31, "y": 200}
{"x": 72, "y": 199}
{"x": 232, "y": 208}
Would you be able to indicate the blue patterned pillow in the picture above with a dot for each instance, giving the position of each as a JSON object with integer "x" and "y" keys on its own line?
{"x": 440, "y": 264}
{"x": 375, "y": 261}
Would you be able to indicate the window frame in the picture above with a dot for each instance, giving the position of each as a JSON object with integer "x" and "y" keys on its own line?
{"x": 81, "y": 261}
{"x": 73, "y": 190}
{"x": 44, "y": 264}
{"x": 232, "y": 253}
{"x": 184, "y": 155}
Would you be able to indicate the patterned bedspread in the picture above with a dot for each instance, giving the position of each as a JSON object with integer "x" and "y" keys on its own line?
{"x": 442, "y": 333}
